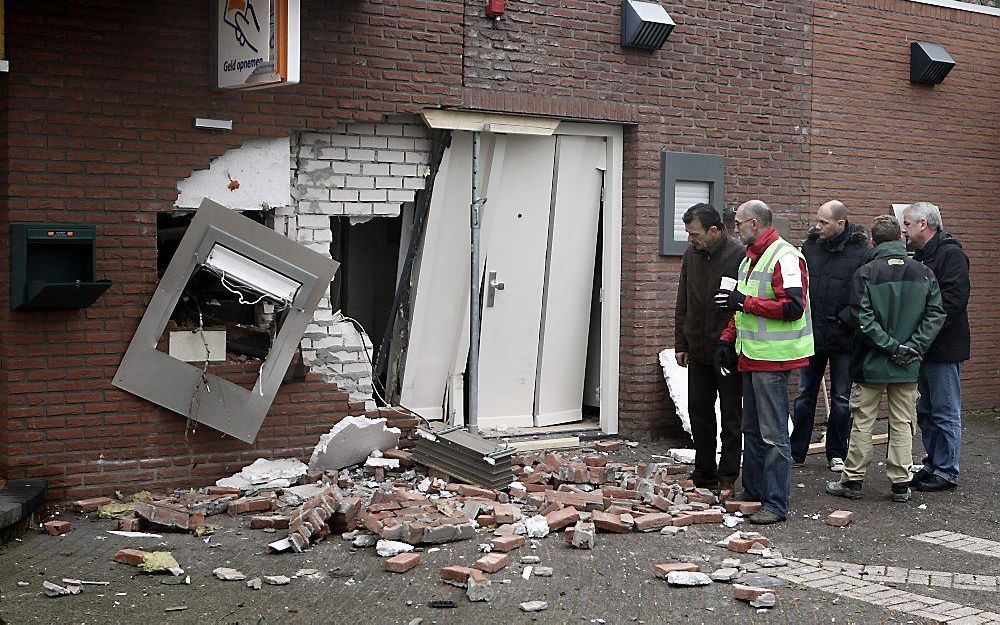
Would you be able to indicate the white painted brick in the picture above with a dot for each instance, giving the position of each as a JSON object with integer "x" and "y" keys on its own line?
{"x": 323, "y": 315}
{"x": 319, "y": 248}
{"x": 360, "y": 129}
{"x": 417, "y": 157}
{"x": 315, "y": 194}
{"x": 361, "y": 182}
{"x": 414, "y": 130}
{"x": 345, "y": 141}
{"x": 329, "y": 208}
{"x": 323, "y": 235}
{"x": 375, "y": 169}
{"x": 414, "y": 183}
{"x": 357, "y": 367}
{"x": 312, "y": 138}
{"x": 369, "y": 195}
{"x": 332, "y": 154}
{"x": 422, "y": 145}
{"x": 304, "y": 152}
{"x": 357, "y": 208}
{"x": 401, "y": 170}
{"x": 343, "y": 195}
{"x": 313, "y": 166}
{"x": 314, "y": 222}
{"x": 305, "y": 343}
{"x": 374, "y": 142}
{"x": 329, "y": 342}
{"x": 304, "y": 236}
{"x": 389, "y": 130}
{"x": 391, "y": 156}
{"x": 388, "y": 182}
{"x": 401, "y": 195}
{"x": 385, "y": 210}
{"x": 347, "y": 168}
{"x": 401, "y": 144}
{"x": 361, "y": 154}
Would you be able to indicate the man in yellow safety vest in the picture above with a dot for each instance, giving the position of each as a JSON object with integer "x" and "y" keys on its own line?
{"x": 769, "y": 337}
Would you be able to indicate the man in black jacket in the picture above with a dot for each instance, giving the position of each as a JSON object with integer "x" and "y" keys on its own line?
{"x": 698, "y": 323}
{"x": 834, "y": 250}
{"x": 939, "y": 407}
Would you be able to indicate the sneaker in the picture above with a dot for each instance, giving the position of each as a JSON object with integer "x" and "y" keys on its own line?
{"x": 836, "y": 465}
{"x": 798, "y": 463}
{"x": 919, "y": 477}
{"x": 901, "y": 492}
{"x": 765, "y": 517}
{"x": 850, "y": 490}
{"x": 935, "y": 483}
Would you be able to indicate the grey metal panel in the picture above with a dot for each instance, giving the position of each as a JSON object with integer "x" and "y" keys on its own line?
{"x": 693, "y": 167}
{"x": 179, "y": 386}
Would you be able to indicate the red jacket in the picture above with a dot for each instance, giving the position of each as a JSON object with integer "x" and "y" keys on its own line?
{"x": 788, "y": 303}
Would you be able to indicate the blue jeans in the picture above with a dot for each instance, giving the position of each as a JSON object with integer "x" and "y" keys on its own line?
{"x": 838, "y": 427}
{"x": 767, "y": 457}
{"x": 939, "y": 415}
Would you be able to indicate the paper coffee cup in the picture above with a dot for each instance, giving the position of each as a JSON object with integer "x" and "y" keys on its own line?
{"x": 727, "y": 283}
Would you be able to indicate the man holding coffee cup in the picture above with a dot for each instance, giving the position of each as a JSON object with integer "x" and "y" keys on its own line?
{"x": 712, "y": 258}
{"x": 769, "y": 337}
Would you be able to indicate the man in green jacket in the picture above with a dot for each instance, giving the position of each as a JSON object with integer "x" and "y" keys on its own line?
{"x": 896, "y": 303}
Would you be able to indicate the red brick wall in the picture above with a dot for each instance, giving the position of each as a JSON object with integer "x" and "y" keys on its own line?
{"x": 878, "y": 140}
{"x": 101, "y": 101}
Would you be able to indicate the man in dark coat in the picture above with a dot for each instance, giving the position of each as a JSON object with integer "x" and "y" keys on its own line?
{"x": 939, "y": 408}
{"x": 897, "y": 303}
{"x": 834, "y": 250}
{"x": 698, "y": 323}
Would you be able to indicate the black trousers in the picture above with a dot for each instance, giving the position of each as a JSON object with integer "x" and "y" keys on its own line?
{"x": 704, "y": 384}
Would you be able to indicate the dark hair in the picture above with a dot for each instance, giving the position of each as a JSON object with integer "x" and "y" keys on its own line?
{"x": 706, "y": 215}
{"x": 885, "y": 228}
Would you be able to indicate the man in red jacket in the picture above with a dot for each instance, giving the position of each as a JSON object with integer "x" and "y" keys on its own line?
{"x": 771, "y": 334}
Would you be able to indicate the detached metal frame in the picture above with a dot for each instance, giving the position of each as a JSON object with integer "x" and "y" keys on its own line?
{"x": 182, "y": 387}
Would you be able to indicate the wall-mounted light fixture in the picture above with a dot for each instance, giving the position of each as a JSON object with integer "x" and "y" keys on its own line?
{"x": 645, "y": 25}
{"x": 929, "y": 63}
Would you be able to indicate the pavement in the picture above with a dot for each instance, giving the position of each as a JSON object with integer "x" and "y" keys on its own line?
{"x": 934, "y": 559}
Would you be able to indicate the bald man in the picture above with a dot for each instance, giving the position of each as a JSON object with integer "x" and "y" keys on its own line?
{"x": 834, "y": 250}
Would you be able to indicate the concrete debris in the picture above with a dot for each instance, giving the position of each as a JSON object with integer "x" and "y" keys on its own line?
{"x": 543, "y": 571}
{"x": 479, "y": 588}
{"x": 390, "y": 548}
{"x": 309, "y": 573}
{"x": 688, "y": 578}
{"x": 766, "y": 600}
{"x": 725, "y": 574}
{"x": 582, "y": 535}
{"x": 351, "y": 441}
{"x": 530, "y": 559}
{"x": 255, "y": 583}
{"x": 276, "y": 580}
{"x": 672, "y": 531}
{"x": 534, "y": 606}
{"x": 365, "y": 540}
{"x": 228, "y": 575}
{"x": 685, "y": 456}
{"x": 265, "y": 474}
{"x": 55, "y": 590}
{"x": 135, "y": 534}
{"x": 175, "y": 608}
{"x": 770, "y": 563}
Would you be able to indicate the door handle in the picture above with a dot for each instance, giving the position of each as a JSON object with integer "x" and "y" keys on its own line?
{"x": 492, "y": 286}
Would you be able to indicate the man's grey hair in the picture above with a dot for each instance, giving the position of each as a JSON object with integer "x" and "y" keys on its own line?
{"x": 927, "y": 211}
{"x": 759, "y": 210}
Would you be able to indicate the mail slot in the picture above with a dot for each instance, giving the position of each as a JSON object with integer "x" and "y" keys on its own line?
{"x": 54, "y": 266}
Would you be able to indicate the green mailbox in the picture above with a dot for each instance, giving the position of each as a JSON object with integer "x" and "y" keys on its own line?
{"x": 53, "y": 266}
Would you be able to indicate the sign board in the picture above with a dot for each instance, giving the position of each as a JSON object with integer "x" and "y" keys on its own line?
{"x": 257, "y": 43}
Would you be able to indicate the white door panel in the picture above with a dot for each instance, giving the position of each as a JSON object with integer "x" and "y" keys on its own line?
{"x": 515, "y": 250}
{"x": 569, "y": 286}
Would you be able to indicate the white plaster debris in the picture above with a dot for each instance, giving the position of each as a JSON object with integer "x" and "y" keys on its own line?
{"x": 543, "y": 571}
{"x": 384, "y": 463}
{"x": 134, "y": 534}
{"x": 479, "y": 591}
{"x": 265, "y": 474}
{"x": 526, "y": 573}
{"x": 390, "y": 548}
{"x": 309, "y": 573}
{"x": 227, "y": 574}
{"x": 530, "y": 559}
{"x": 766, "y": 600}
{"x": 351, "y": 441}
{"x": 670, "y": 530}
{"x": 536, "y": 527}
{"x": 685, "y": 456}
{"x": 276, "y": 580}
{"x": 725, "y": 574}
{"x": 364, "y": 540}
{"x": 254, "y": 583}
{"x": 260, "y": 166}
{"x": 534, "y": 606}
{"x": 688, "y": 578}
{"x": 55, "y": 590}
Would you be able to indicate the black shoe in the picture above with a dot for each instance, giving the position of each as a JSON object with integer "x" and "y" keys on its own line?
{"x": 798, "y": 463}
{"x": 765, "y": 517}
{"x": 901, "y": 492}
{"x": 850, "y": 489}
{"x": 934, "y": 484}
{"x": 918, "y": 477}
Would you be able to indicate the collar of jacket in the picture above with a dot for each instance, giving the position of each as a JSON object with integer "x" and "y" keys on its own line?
{"x": 889, "y": 249}
{"x": 758, "y": 247}
{"x": 941, "y": 237}
{"x": 712, "y": 251}
{"x": 851, "y": 232}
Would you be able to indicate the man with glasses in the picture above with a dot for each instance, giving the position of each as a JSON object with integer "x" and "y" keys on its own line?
{"x": 769, "y": 337}
{"x": 834, "y": 250}
{"x": 939, "y": 406}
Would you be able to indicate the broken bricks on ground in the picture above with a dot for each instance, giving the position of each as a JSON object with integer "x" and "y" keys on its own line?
{"x": 361, "y": 487}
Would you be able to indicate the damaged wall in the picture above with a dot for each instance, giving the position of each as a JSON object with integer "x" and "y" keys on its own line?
{"x": 356, "y": 172}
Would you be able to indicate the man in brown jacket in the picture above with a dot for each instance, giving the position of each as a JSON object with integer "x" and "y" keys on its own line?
{"x": 698, "y": 323}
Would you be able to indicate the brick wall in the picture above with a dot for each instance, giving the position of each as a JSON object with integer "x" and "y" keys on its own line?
{"x": 101, "y": 100}
{"x": 878, "y": 140}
